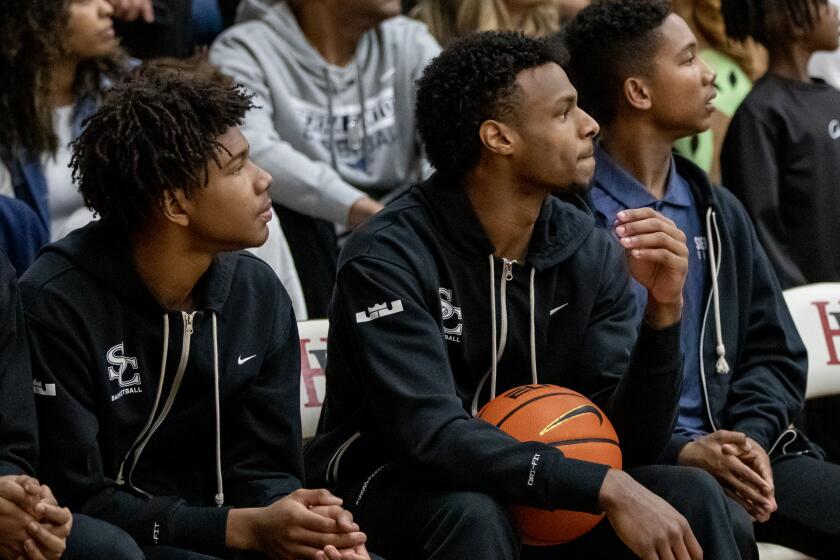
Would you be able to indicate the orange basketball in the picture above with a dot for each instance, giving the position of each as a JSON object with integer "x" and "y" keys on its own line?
{"x": 568, "y": 421}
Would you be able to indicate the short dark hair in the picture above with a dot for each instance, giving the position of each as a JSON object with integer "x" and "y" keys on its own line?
{"x": 470, "y": 82}
{"x": 156, "y": 131}
{"x": 754, "y": 18}
{"x": 608, "y": 42}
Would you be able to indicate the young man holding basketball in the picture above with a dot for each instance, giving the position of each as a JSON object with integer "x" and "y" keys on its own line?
{"x": 745, "y": 365}
{"x": 478, "y": 281}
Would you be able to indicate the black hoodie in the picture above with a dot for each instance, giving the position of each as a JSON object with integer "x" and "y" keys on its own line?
{"x": 118, "y": 360}
{"x": 763, "y": 388}
{"x": 412, "y": 327}
{"x": 18, "y": 427}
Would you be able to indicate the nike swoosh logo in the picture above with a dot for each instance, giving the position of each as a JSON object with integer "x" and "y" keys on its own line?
{"x": 240, "y": 360}
{"x": 575, "y": 412}
{"x": 556, "y": 309}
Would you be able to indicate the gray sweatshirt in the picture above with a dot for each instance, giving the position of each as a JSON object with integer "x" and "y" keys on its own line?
{"x": 310, "y": 133}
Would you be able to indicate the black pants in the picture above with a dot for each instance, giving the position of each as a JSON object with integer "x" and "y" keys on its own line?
{"x": 405, "y": 520}
{"x": 808, "y": 518}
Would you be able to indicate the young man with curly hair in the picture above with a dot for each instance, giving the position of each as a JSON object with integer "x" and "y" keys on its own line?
{"x": 478, "y": 281}
{"x": 167, "y": 358}
{"x": 745, "y": 365}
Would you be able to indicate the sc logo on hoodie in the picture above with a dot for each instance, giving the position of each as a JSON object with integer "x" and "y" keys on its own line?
{"x": 451, "y": 315}
{"x": 123, "y": 370}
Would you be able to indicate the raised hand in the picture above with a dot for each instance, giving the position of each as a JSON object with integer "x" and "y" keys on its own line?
{"x": 657, "y": 257}
{"x": 130, "y": 10}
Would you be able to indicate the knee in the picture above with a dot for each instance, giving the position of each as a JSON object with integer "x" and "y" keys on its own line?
{"x": 476, "y": 517}
{"x": 94, "y": 539}
{"x": 697, "y": 492}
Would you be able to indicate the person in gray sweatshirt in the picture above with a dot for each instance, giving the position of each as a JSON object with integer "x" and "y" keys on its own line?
{"x": 335, "y": 83}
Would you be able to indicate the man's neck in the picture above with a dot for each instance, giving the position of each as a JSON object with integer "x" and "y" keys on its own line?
{"x": 169, "y": 268}
{"x": 507, "y": 211}
{"x": 790, "y": 61}
{"x": 642, "y": 152}
{"x": 63, "y": 79}
{"x": 335, "y": 37}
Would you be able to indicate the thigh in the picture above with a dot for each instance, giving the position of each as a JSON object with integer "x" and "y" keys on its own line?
{"x": 808, "y": 496}
{"x": 406, "y": 517}
{"x": 94, "y": 539}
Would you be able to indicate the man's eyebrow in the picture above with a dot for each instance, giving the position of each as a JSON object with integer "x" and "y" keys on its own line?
{"x": 565, "y": 99}
{"x": 239, "y": 156}
{"x": 692, "y": 46}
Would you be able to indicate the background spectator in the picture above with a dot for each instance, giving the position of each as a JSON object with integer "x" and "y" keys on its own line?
{"x": 67, "y": 86}
{"x": 334, "y": 82}
{"x": 30, "y": 27}
{"x": 782, "y": 153}
{"x": 449, "y": 20}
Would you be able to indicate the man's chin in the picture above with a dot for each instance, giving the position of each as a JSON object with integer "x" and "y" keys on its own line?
{"x": 573, "y": 191}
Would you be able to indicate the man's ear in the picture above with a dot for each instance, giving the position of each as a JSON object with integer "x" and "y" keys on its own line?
{"x": 497, "y": 137}
{"x": 175, "y": 206}
{"x": 637, "y": 94}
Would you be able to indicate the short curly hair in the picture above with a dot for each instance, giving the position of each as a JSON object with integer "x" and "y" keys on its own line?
{"x": 470, "y": 82}
{"x": 608, "y": 42}
{"x": 157, "y": 130}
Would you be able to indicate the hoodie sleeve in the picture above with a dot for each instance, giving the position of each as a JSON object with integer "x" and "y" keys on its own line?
{"x": 750, "y": 169}
{"x": 71, "y": 460}
{"x": 638, "y": 385}
{"x": 403, "y": 365}
{"x": 22, "y": 233}
{"x": 767, "y": 390}
{"x": 262, "y": 438}
{"x": 18, "y": 426}
{"x": 304, "y": 185}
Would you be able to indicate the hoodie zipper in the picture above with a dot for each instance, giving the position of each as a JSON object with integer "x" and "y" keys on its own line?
{"x": 188, "y": 319}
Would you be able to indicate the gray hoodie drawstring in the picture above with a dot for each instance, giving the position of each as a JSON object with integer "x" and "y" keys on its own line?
{"x": 330, "y": 124}
{"x": 722, "y": 367}
{"x": 330, "y": 116}
{"x": 165, "y": 355}
{"x": 220, "y": 495}
{"x": 498, "y": 350}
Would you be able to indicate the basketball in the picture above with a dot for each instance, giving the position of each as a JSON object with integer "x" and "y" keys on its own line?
{"x": 568, "y": 421}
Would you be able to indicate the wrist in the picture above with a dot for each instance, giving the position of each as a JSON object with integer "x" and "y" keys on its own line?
{"x": 685, "y": 455}
{"x": 608, "y": 496}
{"x": 663, "y": 315}
{"x": 240, "y": 533}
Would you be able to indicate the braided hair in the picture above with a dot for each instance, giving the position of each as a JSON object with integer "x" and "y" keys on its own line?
{"x": 157, "y": 130}
{"x": 29, "y": 32}
{"x": 764, "y": 19}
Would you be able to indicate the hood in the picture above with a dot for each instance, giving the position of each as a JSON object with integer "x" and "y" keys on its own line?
{"x": 558, "y": 233}
{"x": 278, "y": 15}
{"x": 103, "y": 253}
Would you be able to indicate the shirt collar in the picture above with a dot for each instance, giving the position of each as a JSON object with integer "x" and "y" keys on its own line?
{"x": 627, "y": 190}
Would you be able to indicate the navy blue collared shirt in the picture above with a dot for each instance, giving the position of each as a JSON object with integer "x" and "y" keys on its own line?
{"x": 614, "y": 190}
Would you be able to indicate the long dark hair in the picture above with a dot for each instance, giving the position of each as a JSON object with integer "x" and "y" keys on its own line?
{"x": 31, "y": 34}
{"x": 29, "y": 31}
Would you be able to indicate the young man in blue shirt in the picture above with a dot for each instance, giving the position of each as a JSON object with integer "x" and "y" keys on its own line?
{"x": 745, "y": 365}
